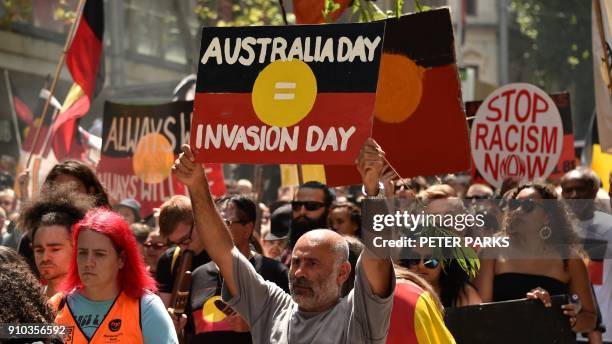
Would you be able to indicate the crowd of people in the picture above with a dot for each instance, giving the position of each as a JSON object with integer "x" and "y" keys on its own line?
{"x": 298, "y": 270}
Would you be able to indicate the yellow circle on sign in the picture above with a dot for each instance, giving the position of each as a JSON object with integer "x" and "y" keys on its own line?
{"x": 210, "y": 312}
{"x": 153, "y": 158}
{"x": 284, "y": 93}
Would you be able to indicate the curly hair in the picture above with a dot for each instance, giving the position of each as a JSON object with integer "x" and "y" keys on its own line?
{"x": 55, "y": 205}
{"x": 22, "y": 299}
{"x": 133, "y": 277}
{"x": 83, "y": 173}
{"x": 558, "y": 217}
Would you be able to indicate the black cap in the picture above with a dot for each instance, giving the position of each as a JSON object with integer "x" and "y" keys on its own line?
{"x": 280, "y": 222}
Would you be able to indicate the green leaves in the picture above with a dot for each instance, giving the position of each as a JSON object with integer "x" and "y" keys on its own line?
{"x": 466, "y": 257}
{"x": 328, "y": 7}
{"x": 248, "y": 13}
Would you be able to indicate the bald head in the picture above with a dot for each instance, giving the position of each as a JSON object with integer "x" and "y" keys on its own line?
{"x": 584, "y": 175}
{"x": 325, "y": 239}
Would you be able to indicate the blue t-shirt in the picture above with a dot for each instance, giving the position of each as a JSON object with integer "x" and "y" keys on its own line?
{"x": 157, "y": 326}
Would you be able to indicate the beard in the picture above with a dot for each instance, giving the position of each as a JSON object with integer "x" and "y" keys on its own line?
{"x": 313, "y": 294}
{"x": 303, "y": 224}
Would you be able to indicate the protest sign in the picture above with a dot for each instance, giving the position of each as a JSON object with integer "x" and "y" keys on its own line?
{"x": 567, "y": 160}
{"x": 517, "y": 133}
{"x": 418, "y": 117}
{"x": 139, "y": 146}
{"x": 291, "y": 94}
{"x": 517, "y": 321}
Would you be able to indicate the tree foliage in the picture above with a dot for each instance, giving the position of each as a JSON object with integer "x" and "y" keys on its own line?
{"x": 14, "y": 11}
{"x": 550, "y": 46}
{"x": 239, "y": 13}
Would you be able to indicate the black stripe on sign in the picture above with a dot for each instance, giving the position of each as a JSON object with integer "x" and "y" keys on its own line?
{"x": 334, "y": 76}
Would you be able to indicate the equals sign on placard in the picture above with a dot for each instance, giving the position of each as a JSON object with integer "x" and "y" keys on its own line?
{"x": 284, "y": 86}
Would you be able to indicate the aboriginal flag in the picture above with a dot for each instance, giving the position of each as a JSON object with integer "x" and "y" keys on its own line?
{"x": 418, "y": 118}
{"x": 84, "y": 60}
{"x": 289, "y": 92}
{"x": 22, "y": 110}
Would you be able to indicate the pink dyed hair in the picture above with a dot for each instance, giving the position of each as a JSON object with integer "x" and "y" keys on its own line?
{"x": 133, "y": 278}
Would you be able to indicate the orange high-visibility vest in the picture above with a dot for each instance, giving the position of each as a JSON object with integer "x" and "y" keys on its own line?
{"x": 120, "y": 325}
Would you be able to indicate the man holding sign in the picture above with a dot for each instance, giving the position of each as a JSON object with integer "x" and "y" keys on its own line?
{"x": 314, "y": 312}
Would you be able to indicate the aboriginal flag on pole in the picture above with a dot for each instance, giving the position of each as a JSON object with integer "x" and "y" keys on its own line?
{"x": 84, "y": 60}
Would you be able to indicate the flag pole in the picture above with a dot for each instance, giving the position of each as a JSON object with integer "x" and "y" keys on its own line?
{"x": 12, "y": 105}
{"x": 58, "y": 70}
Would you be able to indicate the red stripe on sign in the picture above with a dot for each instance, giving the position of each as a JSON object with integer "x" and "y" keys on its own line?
{"x": 332, "y": 113}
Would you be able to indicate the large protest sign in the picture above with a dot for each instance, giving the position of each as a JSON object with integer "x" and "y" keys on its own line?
{"x": 139, "y": 146}
{"x": 509, "y": 322}
{"x": 567, "y": 160}
{"x": 517, "y": 133}
{"x": 292, "y": 94}
{"x": 418, "y": 118}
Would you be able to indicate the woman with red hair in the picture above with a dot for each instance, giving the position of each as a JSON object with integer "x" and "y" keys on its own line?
{"x": 108, "y": 296}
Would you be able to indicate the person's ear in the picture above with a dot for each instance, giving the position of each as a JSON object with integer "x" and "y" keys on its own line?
{"x": 343, "y": 273}
{"x": 250, "y": 227}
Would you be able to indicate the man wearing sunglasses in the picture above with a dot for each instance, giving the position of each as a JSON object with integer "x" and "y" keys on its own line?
{"x": 580, "y": 187}
{"x": 176, "y": 227}
{"x": 310, "y": 208}
{"x": 314, "y": 312}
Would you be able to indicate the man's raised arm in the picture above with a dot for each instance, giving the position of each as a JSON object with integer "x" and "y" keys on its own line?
{"x": 211, "y": 228}
{"x": 371, "y": 165}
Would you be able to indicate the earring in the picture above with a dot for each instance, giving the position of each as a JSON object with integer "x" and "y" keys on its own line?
{"x": 545, "y": 232}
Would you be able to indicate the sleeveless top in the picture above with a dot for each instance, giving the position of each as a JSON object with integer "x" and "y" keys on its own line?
{"x": 514, "y": 285}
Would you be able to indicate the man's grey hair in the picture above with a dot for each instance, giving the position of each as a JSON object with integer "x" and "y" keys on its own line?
{"x": 342, "y": 251}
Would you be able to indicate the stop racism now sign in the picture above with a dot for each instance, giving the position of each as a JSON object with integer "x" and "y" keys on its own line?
{"x": 517, "y": 133}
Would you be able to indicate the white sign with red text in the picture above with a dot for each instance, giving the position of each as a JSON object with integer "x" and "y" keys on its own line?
{"x": 517, "y": 133}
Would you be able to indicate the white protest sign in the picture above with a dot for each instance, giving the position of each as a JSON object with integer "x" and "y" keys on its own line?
{"x": 517, "y": 133}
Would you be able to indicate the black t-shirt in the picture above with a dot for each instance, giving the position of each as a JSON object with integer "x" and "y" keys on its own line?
{"x": 206, "y": 322}
{"x": 165, "y": 273}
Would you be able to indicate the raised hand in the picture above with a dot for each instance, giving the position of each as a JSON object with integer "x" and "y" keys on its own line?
{"x": 187, "y": 170}
{"x": 370, "y": 165}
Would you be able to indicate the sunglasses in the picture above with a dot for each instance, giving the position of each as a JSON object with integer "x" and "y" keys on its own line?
{"x": 155, "y": 245}
{"x": 526, "y": 205}
{"x": 184, "y": 240}
{"x": 309, "y": 205}
{"x": 428, "y": 261}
